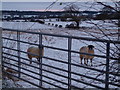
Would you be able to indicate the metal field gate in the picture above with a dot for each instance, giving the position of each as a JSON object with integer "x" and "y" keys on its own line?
{"x": 64, "y": 76}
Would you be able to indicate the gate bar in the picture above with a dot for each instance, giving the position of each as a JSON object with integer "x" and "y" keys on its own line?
{"x": 69, "y": 63}
{"x": 107, "y": 66}
{"x": 40, "y": 59}
{"x": 18, "y": 48}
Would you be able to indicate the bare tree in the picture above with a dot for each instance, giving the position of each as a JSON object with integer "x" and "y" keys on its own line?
{"x": 73, "y": 12}
{"x": 113, "y": 7}
{"x": 116, "y": 9}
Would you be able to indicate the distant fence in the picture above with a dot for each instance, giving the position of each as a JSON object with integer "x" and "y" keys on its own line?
{"x": 69, "y": 64}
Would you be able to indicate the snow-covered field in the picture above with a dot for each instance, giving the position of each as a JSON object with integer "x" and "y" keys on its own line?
{"x": 20, "y": 24}
{"x": 59, "y": 42}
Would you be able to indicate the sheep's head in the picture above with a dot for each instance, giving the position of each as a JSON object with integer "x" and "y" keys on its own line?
{"x": 90, "y": 47}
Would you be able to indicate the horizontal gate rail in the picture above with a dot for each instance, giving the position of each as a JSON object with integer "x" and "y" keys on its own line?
{"x": 61, "y": 75}
{"x": 33, "y": 76}
{"x": 101, "y": 56}
{"x": 65, "y": 36}
{"x": 69, "y": 72}
{"x": 56, "y": 73}
{"x": 24, "y": 79}
{"x": 43, "y": 69}
{"x": 52, "y": 78}
{"x": 117, "y": 74}
{"x": 66, "y": 71}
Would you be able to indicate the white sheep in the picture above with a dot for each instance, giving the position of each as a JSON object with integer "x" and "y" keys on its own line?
{"x": 35, "y": 52}
{"x": 89, "y": 50}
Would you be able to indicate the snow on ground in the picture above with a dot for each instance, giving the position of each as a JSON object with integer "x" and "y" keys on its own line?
{"x": 24, "y": 25}
{"x": 88, "y": 28}
{"x": 20, "y": 24}
{"x": 98, "y": 63}
{"x": 104, "y": 24}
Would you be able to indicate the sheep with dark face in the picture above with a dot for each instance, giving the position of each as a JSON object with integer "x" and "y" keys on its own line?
{"x": 86, "y": 49}
{"x": 35, "y": 52}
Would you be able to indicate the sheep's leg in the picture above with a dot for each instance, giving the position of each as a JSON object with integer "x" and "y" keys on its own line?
{"x": 39, "y": 59}
{"x": 30, "y": 58}
{"x": 31, "y": 61}
{"x": 85, "y": 61}
{"x": 91, "y": 61}
{"x": 81, "y": 59}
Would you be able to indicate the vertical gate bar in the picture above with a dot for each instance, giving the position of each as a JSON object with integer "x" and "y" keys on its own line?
{"x": 1, "y": 68}
{"x": 69, "y": 63}
{"x": 18, "y": 48}
{"x": 0, "y": 45}
{"x": 107, "y": 66}
{"x": 40, "y": 59}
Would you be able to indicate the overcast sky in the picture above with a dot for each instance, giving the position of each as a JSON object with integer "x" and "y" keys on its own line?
{"x": 52, "y": 0}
